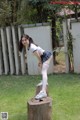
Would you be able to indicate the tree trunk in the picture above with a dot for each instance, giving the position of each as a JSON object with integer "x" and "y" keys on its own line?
{"x": 54, "y": 36}
{"x": 39, "y": 110}
{"x": 76, "y": 12}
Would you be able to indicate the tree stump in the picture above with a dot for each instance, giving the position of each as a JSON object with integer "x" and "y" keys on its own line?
{"x": 40, "y": 110}
{"x": 38, "y": 88}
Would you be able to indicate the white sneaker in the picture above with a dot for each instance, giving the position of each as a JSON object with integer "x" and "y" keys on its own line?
{"x": 41, "y": 95}
{"x": 39, "y": 84}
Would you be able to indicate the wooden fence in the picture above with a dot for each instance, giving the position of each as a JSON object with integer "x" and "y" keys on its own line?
{"x": 11, "y": 62}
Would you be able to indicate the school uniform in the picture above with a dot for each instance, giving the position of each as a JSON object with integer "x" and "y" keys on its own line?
{"x": 45, "y": 55}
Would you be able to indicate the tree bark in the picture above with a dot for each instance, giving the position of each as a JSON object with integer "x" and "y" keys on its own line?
{"x": 54, "y": 36}
{"x": 39, "y": 110}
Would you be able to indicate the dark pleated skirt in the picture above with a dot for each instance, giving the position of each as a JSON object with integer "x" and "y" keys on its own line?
{"x": 46, "y": 55}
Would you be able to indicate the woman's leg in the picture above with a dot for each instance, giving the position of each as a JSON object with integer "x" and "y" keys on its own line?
{"x": 44, "y": 70}
{"x": 42, "y": 93}
{"x": 45, "y": 67}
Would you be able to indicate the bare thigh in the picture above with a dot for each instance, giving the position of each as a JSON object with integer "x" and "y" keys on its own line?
{"x": 48, "y": 61}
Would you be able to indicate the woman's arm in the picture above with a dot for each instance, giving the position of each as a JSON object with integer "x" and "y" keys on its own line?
{"x": 36, "y": 53}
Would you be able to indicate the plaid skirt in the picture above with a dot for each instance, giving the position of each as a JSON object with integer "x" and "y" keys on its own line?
{"x": 46, "y": 55}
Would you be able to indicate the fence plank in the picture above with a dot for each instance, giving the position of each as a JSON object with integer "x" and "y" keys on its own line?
{"x": 4, "y": 50}
{"x": 10, "y": 49}
{"x": 1, "y": 63}
{"x": 23, "y": 65}
{"x": 1, "y": 68}
{"x": 16, "y": 52}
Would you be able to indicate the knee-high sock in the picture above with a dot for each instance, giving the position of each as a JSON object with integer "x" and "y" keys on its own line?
{"x": 45, "y": 67}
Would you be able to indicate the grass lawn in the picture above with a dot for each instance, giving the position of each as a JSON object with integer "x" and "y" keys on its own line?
{"x": 64, "y": 89}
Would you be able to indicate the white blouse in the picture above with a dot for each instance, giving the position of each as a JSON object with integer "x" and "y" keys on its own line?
{"x": 33, "y": 48}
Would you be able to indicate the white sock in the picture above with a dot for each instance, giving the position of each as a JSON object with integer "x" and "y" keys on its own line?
{"x": 45, "y": 67}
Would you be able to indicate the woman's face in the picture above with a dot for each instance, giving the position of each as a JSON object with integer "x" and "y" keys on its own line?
{"x": 25, "y": 41}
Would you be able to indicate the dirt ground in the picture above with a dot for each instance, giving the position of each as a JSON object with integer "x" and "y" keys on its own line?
{"x": 59, "y": 68}
{"x": 60, "y": 58}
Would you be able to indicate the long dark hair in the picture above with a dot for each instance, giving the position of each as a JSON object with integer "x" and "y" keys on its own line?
{"x": 20, "y": 42}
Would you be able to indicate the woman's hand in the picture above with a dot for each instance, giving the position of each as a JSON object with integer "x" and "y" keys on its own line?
{"x": 40, "y": 64}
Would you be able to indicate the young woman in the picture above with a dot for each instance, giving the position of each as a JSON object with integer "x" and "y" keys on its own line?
{"x": 44, "y": 58}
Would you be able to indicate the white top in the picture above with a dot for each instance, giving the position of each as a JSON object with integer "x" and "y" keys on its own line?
{"x": 33, "y": 48}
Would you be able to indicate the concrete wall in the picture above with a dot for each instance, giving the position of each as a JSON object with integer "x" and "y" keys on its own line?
{"x": 76, "y": 45}
{"x": 41, "y": 36}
